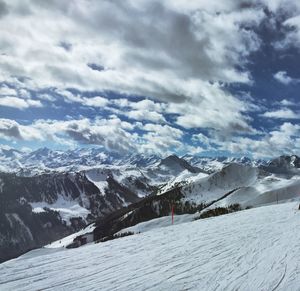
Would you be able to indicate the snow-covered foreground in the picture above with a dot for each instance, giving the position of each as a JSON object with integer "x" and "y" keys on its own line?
{"x": 256, "y": 249}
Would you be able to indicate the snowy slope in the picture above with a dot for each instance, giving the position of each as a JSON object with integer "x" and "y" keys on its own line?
{"x": 64, "y": 242}
{"x": 268, "y": 190}
{"x": 214, "y": 186}
{"x": 256, "y": 249}
{"x": 160, "y": 222}
{"x": 249, "y": 185}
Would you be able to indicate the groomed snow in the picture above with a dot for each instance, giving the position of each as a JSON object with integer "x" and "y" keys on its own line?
{"x": 256, "y": 249}
{"x": 164, "y": 221}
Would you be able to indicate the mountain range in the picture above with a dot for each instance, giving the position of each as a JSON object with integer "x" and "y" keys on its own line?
{"x": 46, "y": 194}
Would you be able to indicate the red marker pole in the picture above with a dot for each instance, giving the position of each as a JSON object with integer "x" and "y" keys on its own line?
{"x": 172, "y": 214}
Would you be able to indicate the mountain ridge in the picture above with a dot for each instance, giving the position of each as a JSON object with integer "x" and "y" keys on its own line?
{"x": 138, "y": 187}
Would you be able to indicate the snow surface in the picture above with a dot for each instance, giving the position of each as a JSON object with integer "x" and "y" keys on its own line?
{"x": 185, "y": 177}
{"x": 98, "y": 177}
{"x": 256, "y": 249}
{"x": 158, "y": 223}
{"x": 62, "y": 243}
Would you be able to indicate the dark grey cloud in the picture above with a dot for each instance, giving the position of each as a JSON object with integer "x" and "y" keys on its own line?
{"x": 84, "y": 136}
{"x": 96, "y": 67}
{"x": 65, "y": 45}
{"x": 164, "y": 39}
{"x": 10, "y": 129}
{"x": 4, "y": 10}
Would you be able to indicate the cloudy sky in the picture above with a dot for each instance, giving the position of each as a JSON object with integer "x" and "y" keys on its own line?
{"x": 151, "y": 76}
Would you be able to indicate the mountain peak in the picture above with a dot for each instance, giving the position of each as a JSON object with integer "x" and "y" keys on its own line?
{"x": 174, "y": 162}
{"x": 286, "y": 161}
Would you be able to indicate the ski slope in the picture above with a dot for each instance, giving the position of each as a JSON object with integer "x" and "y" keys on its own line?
{"x": 256, "y": 249}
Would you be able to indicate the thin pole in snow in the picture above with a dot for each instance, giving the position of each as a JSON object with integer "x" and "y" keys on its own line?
{"x": 172, "y": 214}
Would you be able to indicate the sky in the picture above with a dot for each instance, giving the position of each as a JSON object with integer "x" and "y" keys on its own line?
{"x": 153, "y": 77}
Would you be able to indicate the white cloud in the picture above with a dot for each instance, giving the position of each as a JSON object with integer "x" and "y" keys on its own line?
{"x": 146, "y": 109}
{"x": 180, "y": 55}
{"x": 113, "y": 134}
{"x": 203, "y": 139}
{"x": 286, "y": 102}
{"x": 165, "y": 50}
{"x": 283, "y": 78}
{"x": 217, "y": 110}
{"x": 97, "y": 101}
{"x": 283, "y": 140}
{"x": 10, "y": 97}
{"x": 147, "y": 104}
{"x": 146, "y": 115}
{"x": 291, "y": 24}
{"x": 19, "y": 103}
{"x": 46, "y": 97}
{"x": 160, "y": 138}
{"x": 284, "y": 113}
{"x": 6, "y": 91}
{"x": 12, "y": 130}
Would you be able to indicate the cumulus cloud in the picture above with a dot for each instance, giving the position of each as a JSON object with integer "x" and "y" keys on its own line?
{"x": 283, "y": 78}
{"x": 292, "y": 25}
{"x": 284, "y": 113}
{"x": 188, "y": 49}
{"x": 146, "y": 109}
{"x": 10, "y": 97}
{"x": 283, "y": 140}
{"x": 218, "y": 110}
{"x": 178, "y": 58}
{"x": 19, "y": 103}
{"x": 146, "y": 115}
{"x": 286, "y": 102}
{"x": 12, "y": 130}
{"x": 6, "y": 91}
{"x": 3, "y": 9}
{"x": 9, "y": 129}
{"x": 113, "y": 134}
{"x": 160, "y": 138}
{"x": 96, "y": 101}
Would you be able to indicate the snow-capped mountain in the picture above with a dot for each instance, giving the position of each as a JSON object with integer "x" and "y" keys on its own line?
{"x": 66, "y": 200}
{"x": 45, "y": 160}
{"x": 64, "y": 191}
{"x": 212, "y": 164}
{"x": 284, "y": 165}
{"x": 235, "y": 184}
{"x": 61, "y": 201}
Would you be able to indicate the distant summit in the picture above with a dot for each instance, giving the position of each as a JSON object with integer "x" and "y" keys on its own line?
{"x": 286, "y": 162}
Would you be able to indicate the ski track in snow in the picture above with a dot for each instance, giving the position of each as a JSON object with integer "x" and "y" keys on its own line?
{"x": 256, "y": 249}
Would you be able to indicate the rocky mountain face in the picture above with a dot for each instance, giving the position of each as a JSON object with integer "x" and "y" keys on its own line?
{"x": 284, "y": 165}
{"x": 38, "y": 209}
